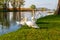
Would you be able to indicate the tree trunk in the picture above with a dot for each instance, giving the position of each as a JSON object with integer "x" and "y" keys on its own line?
{"x": 19, "y": 13}
{"x": 14, "y": 10}
{"x": 58, "y": 8}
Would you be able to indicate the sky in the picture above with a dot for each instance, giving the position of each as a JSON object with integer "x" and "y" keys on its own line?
{"x": 51, "y": 4}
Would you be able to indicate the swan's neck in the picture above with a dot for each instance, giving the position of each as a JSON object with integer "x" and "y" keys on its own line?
{"x": 33, "y": 19}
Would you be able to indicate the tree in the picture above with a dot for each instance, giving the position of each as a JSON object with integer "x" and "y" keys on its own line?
{"x": 33, "y": 6}
{"x": 58, "y": 8}
{"x": 17, "y": 4}
{"x": 43, "y": 9}
{"x": 1, "y": 3}
{"x": 33, "y": 12}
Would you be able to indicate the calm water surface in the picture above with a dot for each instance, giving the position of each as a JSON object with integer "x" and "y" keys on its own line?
{"x": 7, "y": 24}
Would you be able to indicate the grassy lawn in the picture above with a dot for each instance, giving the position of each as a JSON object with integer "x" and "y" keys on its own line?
{"x": 49, "y": 30}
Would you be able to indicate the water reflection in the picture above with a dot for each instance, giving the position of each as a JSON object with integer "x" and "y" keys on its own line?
{"x": 8, "y": 20}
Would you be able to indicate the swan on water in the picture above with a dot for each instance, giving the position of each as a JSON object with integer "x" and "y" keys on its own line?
{"x": 30, "y": 23}
{"x": 22, "y": 22}
{"x": 27, "y": 22}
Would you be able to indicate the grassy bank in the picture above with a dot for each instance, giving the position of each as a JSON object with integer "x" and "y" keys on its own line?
{"x": 49, "y": 30}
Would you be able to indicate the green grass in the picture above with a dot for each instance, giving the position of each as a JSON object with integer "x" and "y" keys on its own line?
{"x": 49, "y": 30}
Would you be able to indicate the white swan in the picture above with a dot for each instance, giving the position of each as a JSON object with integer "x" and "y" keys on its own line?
{"x": 33, "y": 19}
{"x": 22, "y": 22}
{"x": 31, "y": 23}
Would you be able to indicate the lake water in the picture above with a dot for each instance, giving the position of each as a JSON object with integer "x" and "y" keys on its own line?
{"x": 8, "y": 24}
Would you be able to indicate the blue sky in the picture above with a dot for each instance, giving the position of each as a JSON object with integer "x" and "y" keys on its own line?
{"x": 52, "y": 4}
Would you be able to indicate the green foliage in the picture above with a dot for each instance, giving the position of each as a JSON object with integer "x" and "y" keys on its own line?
{"x": 17, "y": 3}
{"x": 33, "y": 6}
{"x": 43, "y": 9}
{"x": 1, "y": 3}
